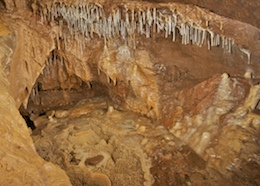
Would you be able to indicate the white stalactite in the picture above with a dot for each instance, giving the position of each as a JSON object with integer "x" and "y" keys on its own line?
{"x": 88, "y": 20}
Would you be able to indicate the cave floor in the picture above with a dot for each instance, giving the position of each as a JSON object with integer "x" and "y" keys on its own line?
{"x": 97, "y": 144}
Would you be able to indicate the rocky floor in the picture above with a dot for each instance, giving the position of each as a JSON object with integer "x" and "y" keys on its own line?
{"x": 97, "y": 144}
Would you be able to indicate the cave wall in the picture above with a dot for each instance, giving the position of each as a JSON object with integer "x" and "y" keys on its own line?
{"x": 32, "y": 48}
{"x": 19, "y": 162}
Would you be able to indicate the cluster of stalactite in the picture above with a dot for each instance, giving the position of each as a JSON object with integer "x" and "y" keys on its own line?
{"x": 51, "y": 61}
{"x": 88, "y": 20}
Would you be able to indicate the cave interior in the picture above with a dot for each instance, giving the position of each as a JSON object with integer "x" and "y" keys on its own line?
{"x": 123, "y": 92}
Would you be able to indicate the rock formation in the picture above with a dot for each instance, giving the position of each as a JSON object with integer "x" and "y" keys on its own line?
{"x": 129, "y": 92}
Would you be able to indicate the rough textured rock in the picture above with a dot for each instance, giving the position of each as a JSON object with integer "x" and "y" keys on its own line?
{"x": 133, "y": 92}
{"x": 20, "y": 164}
{"x": 245, "y": 11}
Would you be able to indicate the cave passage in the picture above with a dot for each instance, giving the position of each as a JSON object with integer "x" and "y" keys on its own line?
{"x": 129, "y": 93}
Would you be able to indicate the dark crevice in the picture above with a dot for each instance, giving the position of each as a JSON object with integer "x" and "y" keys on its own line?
{"x": 3, "y": 2}
{"x": 29, "y": 122}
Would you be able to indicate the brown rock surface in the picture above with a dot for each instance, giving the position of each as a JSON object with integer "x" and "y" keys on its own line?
{"x": 162, "y": 94}
{"x": 245, "y": 11}
{"x": 19, "y": 162}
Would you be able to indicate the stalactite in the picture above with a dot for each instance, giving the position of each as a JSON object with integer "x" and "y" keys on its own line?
{"x": 229, "y": 46}
{"x": 58, "y": 42}
{"x": 52, "y": 13}
{"x": 199, "y": 37}
{"x": 203, "y": 39}
{"x": 42, "y": 16}
{"x": 140, "y": 23}
{"x": 209, "y": 44}
{"x": 226, "y": 44}
{"x": 54, "y": 58}
{"x": 88, "y": 20}
{"x": 33, "y": 93}
{"x": 248, "y": 53}
{"x": 158, "y": 22}
{"x": 187, "y": 34}
{"x": 154, "y": 19}
{"x": 166, "y": 30}
{"x": 173, "y": 31}
{"x": 212, "y": 39}
{"x": 36, "y": 91}
{"x": 218, "y": 40}
{"x": 109, "y": 22}
{"x": 65, "y": 41}
{"x": 60, "y": 27}
{"x": 147, "y": 31}
{"x": 222, "y": 41}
